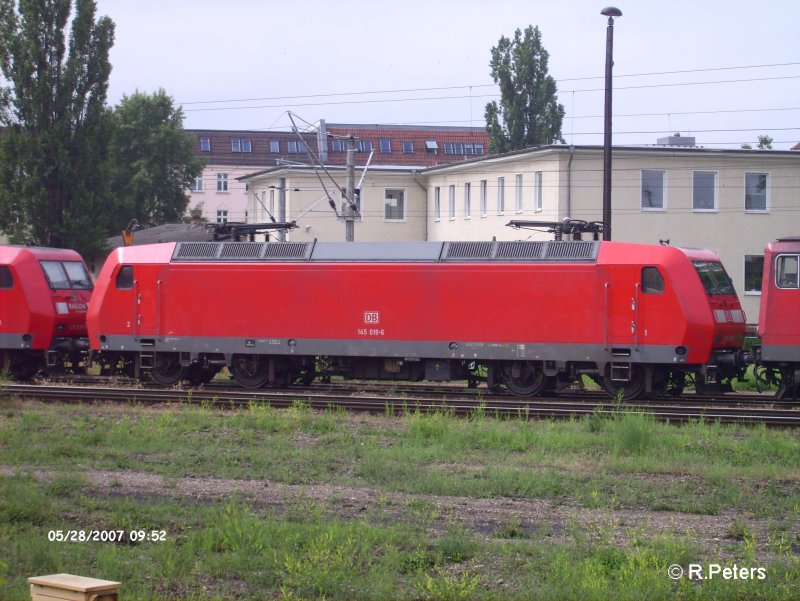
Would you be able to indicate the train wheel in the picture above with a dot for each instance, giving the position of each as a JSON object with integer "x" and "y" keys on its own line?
{"x": 251, "y": 371}
{"x": 625, "y": 390}
{"x": 524, "y": 378}
{"x": 197, "y": 375}
{"x": 788, "y": 389}
{"x": 24, "y": 367}
{"x": 167, "y": 369}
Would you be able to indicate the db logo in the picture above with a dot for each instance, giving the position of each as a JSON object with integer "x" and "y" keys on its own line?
{"x": 372, "y": 317}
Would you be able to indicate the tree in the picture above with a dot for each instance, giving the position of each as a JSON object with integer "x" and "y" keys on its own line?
{"x": 151, "y": 159}
{"x": 52, "y": 148}
{"x": 529, "y": 113}
{"x": 764, "y": 142}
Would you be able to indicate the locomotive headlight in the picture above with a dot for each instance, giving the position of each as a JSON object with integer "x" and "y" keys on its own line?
{"x": 680, "y": 351}
{"x": 453, "y": 346}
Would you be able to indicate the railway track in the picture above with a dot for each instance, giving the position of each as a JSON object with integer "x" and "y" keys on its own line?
{"x": 458, "y": 401}
{"x": 414, "y": 389}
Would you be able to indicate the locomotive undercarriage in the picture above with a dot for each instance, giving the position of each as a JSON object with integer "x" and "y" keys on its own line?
{"x": 24, "y": 365}
{"x": 785, "y": 377}
{"x": 620, "y": 380}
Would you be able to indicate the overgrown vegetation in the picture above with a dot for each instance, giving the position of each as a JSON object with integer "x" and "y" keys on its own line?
{"x": 309, "y": 505}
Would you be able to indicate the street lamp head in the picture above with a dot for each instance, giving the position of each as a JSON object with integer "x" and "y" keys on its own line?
{"x": 611, "y": 11}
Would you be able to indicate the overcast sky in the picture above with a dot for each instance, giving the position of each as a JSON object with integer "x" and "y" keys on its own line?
{"x": 427, "y": 63}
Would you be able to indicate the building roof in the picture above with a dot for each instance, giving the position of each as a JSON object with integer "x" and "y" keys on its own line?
{"x": 249, "y": 148}
{"x": 170, "y": 232}
{"x": 658, "y": 149}
{"x": 408, "y": 146}
{"x": 419, "y": 146}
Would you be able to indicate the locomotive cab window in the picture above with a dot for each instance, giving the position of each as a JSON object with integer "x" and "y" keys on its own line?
{"x": 715, "y": 279}
{"x": 125, "y": 278}
{"x": 67, "y": 275}
{"x": 77, "y": 275}
{"x": 6, "y": 278}
{"x": 652, "y": 280}
{"x": 786, "y": 271}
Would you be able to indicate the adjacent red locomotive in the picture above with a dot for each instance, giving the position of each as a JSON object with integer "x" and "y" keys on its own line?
{"x": 779, "y": 317}
{"x": 44, "y": 294}
{"x": 530, "y": 315}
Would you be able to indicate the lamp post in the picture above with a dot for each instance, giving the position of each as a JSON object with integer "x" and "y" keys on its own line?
{"x": 610, "y": 12}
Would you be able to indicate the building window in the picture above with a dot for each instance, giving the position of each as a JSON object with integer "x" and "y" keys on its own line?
{"x": 394, "y": 205}
{"x": 483, "y": 203}
{"x": 518, "y": 193}
{"x": 449, "y": 148}
{"x": 408, "y": 147}
{"x": 272, "y": 202}
{"x": 241, "y": 145}
{"x": 385, "y": 145}
{"x": 222, "y": 182}
{"x": 537, "y": 191}
{"x": 653, "y": 190}
{"x": 501, "y": 195}
{"x": 467, "y": 201}
{"x": 198, "y": 184}
{"x": 753, "y": 272}
{"x": 704, "y": 190}
{"x": 437, "y": 204}
{"x": 296, "y": 147}
{"x": 755, "y": 192}
{"x": 222, "y": 215}
{"x": 338, "y": 145}
{"x": 363, "y": 146}
{"x": 431, "y": 146}
{"x": 452, "y": 204}
{"x": 786, "y": 271}
{"x": 205, "y": 144}
{"x": 274, "y": 146}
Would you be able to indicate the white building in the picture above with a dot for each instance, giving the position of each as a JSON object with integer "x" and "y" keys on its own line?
{"x": 731, "y": 201}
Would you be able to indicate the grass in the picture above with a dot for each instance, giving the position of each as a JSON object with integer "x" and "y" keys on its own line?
{"x": 407, "y": 535}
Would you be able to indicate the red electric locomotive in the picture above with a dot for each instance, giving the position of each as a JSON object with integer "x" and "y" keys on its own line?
{"x": 529, "y": 315}
{"x": 779, "y": 317}
{"x": 44, "y": 294}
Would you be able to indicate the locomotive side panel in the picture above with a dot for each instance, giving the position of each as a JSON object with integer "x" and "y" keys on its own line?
{"x": 779, "y": 315}
{"x": 634, "y": 316}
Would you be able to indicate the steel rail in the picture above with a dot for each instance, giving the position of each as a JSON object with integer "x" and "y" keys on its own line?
{"x": 505, "y": 407}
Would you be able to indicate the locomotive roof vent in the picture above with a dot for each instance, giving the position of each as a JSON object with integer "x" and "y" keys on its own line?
{"x": 242, "y": 251}
{"x": 519, "y": 250}
{"x": 287, "y": 250}
{"x": 188, "y": 251}
{"x": 468, "y": 250}
{"x": 571, "y": 250}
{"x": 524, "y": 251}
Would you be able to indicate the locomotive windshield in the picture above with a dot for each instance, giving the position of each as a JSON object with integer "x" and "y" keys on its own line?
{"x": 66, "y": 275}
{"x": 714, "y": 277}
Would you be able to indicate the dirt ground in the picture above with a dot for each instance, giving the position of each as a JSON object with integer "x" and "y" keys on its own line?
{"x": 531, "y": 518}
